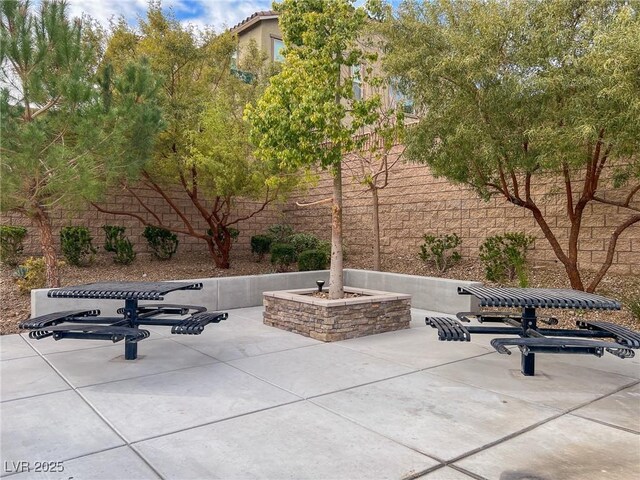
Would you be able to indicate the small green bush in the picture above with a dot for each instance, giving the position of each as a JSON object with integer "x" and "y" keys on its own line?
{"x": 440, "y": 250}
{"x": 162, "y": 242}
{"x": 76, "y": 244}
{"x": 282, "y": 256}
{"x": 505, "y": 257}
{"x": 116, "y": 242}
{"x": 11, "y": 246}
{"x": 325, "y": 246}
{"x": 304, "y": 241}
{"x": 112, "y": 234}
{"x": 280, "y": 232}
{"x": 32, "y": 274}
{"x": 125, "y": 254}
{"x": 260, "y": 246}
{"x": 312, "y": 260}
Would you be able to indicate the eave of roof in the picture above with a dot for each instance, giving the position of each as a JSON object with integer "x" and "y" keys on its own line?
{"x": 253, "y": 19}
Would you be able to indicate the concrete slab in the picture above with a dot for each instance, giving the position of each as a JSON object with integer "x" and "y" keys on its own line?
{"x": 251, "y": 313}
{"x": 621, "y": 409}
{"x": 556, "y": 384}
{"x": 319, "y": 369}
{"x": 298, "y": 441}
{"x": 567, "y": 448}
{"x": 54, "y": 427}
{"x": 629, "y": 367}
{"x": 418, "y": 315}
{"x": 28, "y": 376}
{"x": 240, "y": 337}
{"x": 417, "y": 348}
{"x": 440, "y": 418}
{"x": 14, "y": 346}
{"x": 106, "y": 364}
{"x": 48, "y": 345}
{"x": 121, "y": 463}
{"x": 183, "y": 399}
{"x": 446, "y": 473}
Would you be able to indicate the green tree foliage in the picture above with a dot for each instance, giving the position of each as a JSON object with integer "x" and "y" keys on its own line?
{"x": 70, "y": 127}
{"x": 309, "y": 115}
{"x": 204, "y": 154}
{"x": 518, "y": 93}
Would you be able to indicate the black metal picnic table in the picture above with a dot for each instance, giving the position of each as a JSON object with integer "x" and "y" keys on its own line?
{"x": 586, "y": 339}
{"x": 87, "y": 324}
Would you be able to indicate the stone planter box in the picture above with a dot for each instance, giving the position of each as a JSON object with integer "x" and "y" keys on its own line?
{"x": 333, "y": 320}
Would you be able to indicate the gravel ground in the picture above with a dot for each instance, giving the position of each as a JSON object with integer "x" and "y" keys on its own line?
{"x": 16, "y": 306}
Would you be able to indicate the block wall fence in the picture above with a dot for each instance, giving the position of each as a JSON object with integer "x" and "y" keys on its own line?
{"x": 413, "y": 203}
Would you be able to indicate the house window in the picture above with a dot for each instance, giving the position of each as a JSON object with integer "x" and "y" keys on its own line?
{"x": 398, "y": 98}
{"x": 356, "y": 79}
{"x": 277, "y": 46}
{"x": 234, "y": 59}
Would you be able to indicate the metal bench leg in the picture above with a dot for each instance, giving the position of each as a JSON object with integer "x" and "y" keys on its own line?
{"x": 131, "y": 314}
{"x": 130, "y": 350}
{"x": 528, "y": 362}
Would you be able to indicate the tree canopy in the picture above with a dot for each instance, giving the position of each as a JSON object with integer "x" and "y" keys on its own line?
{"x": 70, "y": 126}
{"x": 310, "y": 113}
{"x": 516, "y": 92}
{"x": 204, "y": 152}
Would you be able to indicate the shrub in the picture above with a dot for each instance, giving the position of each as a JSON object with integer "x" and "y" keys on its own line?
{"x": 304, "y": 241}
{"x": 76, "y": 245}
{"x": 32, "y": 274}
{"x": 440, "y": 250}
{"x": 260, "y": 245}
{"x": 11, "y": 246}
{"x": 112, "y": 234}
{"x": 505, "y": 257}
{"x": 280, "y": 232}
{"x": 116, "y": 242}
{"x": 124, "y": 251}
{"x": 312, "y": 260}
{"x": 162, "y": 242}
{"x": 282, "y": 256}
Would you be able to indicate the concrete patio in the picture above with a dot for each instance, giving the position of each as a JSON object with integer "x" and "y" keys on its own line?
{"x": 244, "y": 400}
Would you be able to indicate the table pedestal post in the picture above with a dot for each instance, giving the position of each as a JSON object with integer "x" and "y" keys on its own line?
{"x": 131, "y": 314}
{"x": 528, "y": 362}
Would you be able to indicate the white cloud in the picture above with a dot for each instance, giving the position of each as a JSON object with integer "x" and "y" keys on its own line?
{"x": 219, "y": 14}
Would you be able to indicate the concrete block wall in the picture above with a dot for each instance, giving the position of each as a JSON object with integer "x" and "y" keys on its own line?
{"x": 121, "y": 200}
{"x": 415, "y": 203}
{"x": 226, "y": 293}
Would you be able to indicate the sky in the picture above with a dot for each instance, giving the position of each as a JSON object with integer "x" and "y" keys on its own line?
{"x": 219, "y": 14}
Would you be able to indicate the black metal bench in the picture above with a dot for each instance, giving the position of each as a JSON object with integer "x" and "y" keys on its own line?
{"x": 561, "y": 345}
{"x": 449, "y": 329}
{"x": 89, "y": 325}
{"x": 587, "y": 339}
{"x": 55, "y": 318}
{"x": 623, "y": 335}
{"x": 115, "y": 333}
{"x": 195, "y": 324}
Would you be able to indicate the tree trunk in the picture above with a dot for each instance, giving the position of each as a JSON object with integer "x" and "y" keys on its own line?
{"x": 376, "y": 230}
{"x": 48, "y": 251}
{"x": 336, "y": 281}
{"x": 219, "y": 257}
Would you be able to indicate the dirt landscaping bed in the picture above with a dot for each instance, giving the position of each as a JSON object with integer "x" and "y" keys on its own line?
{"x": 16, "y": 306}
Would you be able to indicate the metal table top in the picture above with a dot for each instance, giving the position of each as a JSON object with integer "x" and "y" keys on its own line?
{"x": 123, "y": 290}
{"x": 539, "y": 298}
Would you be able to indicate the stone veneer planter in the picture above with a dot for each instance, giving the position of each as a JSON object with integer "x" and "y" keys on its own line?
{"x": 332, "y": 320}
